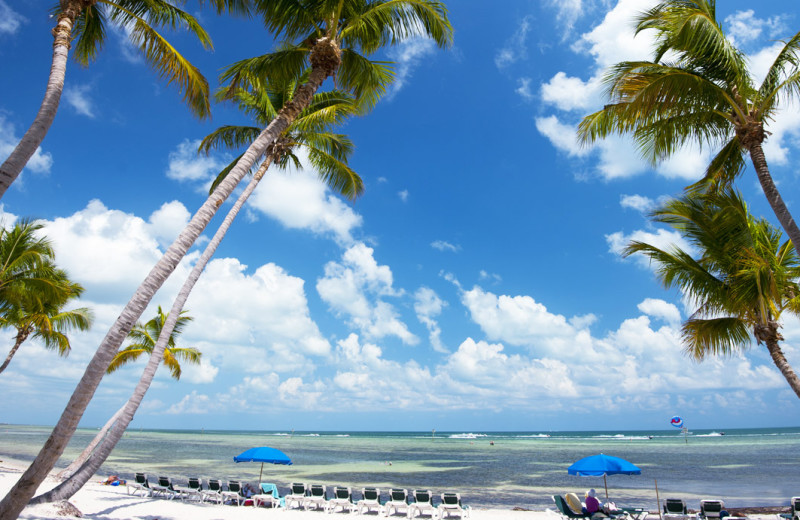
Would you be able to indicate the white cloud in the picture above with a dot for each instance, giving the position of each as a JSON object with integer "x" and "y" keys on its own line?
{"x": 40, "y": 162}
{"x": 403, "y": 195}
{"x": 661, "y": 238}
{"x": 570, "y": 93}
{"x": 78, "y": 97}
{"x": 661, "y": 309}
{"x": 561, "y": 135}
{"x": 192, "y": 404}
{"x": 185, "y": 164}
{"x": 689, "y": 163}
{"x": 744, "y": 27}
{"x": 637, "y": 202}
{"x": 442, "y": 245}
{"x": 515, "y": 48}
{"x": 524, "y": 89}
{"x": 407, "y": 56}
{"x": 354, "y": 288}
{"x": 428, "y": 306}
{"x": 203, "y": 373}
{"x": 10, "y": 20}
{"x": 568, "y": 12}
{"x": 300, "y": 200}
{"x": 168, "y": 221}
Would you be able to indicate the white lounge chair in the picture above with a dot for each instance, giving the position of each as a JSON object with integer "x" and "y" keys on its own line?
{"x": 370, "y": 500}
{"x": 214, "y": 491}
{"x": 316, "y": 498}
{"x": 139, "y": 483}
{"x": 296, "y": 496}
{"x": 268, "y": 496}
{"x": 164, "y": 489}
{"x": 234, "y": 492}
{"x": 711, "y": 508}
{"x": 398, "y": 499}
{"x": 422, "y": 504}
{"x": 193, "y": 490}
{"x": 451, "y": 505}
{"x": 342, "y": 497}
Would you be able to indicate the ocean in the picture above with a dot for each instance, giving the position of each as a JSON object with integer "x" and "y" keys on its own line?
{"x": 743, "y": 467}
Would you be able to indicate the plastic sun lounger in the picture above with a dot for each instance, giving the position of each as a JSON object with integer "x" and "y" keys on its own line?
{"x": 164, "y": 489}
{"x": 794, "y": 514}
{"x": 214, "y": 491}
{"x": 398, "y": 498}
{"x": 139, "y": 483}
{"x": 297, "y": 495}
{"x": 234, "y": 492}
{"x": 711, "y": 508}
{"x": 342, "y": 497}
{"x": 565, "y": 511}
{"x": 193, "y": 490}
{"x": 317, "y": 497}
{"x": 370, "y": 500}
{"x": 451, "y": 505}
{"x": 268, "y": 496}
{"x": 423, "y": 504}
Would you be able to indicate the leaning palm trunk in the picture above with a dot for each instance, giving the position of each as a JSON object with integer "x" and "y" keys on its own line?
{"x": 14, "y": 502}
{"x": 27, "y": 146}
{"x": 87, "y": 468}
{"x": 786, "y": 370}
{"x": 70, "y": 470}
{"x": 774, "y": 196}
{"x": 20, "y": 338}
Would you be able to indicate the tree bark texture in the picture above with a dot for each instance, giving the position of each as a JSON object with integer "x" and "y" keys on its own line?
{"x": 17, "y": 343}
{"x": 16, "y": 499}
{"x": 786, "y": 369}
{"x": 773, "y": 195}
{"x": 89, "y": 466}
{"x": 13, "y": 165}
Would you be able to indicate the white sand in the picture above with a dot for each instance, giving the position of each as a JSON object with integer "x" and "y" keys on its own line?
{"x": 100, "y": 502}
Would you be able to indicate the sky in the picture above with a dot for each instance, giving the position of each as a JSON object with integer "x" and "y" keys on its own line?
{"x": 477, "y": 285}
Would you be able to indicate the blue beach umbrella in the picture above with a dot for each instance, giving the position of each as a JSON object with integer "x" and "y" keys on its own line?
{"x": 597, "y": 465}
{"x": 262, "y": 455}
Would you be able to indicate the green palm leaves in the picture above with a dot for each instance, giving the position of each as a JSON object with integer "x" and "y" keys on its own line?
{"x": 34, "y": 292}
{"x": 741, "y": 277}
{"x": 143, "y": 338}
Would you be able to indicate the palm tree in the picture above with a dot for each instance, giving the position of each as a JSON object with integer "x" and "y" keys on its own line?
{"x": 26, "y": 265}
{"x": 351, "y": 24}
{"x": 44, "y": 319}
{"x": 704, "y": 94}
{"x": 82, "y": 24}
{"x": 742, "y": 279}
{"x": 33, "y": 291}
{"x": 327, "y": 152}
{"x": 143, "y": 341}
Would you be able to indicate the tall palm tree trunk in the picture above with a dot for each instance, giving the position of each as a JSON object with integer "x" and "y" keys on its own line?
{"x": 80, "y": 459}
{"x": 780, "y": 361}
{"x": 87, "y": 468}
{"x": 14, "y": 502}
{"x": 27, "y": 146}
{"x": 773, "y": 195}
{"x": 21, "y": 337}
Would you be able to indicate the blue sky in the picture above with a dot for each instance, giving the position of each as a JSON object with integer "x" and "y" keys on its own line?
{"x": 477, "y": 284}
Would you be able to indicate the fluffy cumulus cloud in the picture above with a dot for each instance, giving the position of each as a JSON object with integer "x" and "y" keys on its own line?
{"x": 745, "y": 26}
{"x": 356, "y": 288}
{"x": 298, "y": 199}
{"x": 637, "y": 202}
{"x": 660, "y": 238}
{"x": 185, "y": 164}
{"x": 428, "y": 307}
{"x": 40, "y": 162}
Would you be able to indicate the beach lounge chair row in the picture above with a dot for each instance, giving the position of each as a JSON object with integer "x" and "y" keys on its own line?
{"x": 399, "y": 501}
{"x": 675, "y": 509}
{"x": 195, "y": 490}
{"x": 568, "y": 507}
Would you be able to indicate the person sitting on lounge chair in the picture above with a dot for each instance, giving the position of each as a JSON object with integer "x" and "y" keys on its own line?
{"x": 113, "y": 480}
{"x": 591, "y": 504}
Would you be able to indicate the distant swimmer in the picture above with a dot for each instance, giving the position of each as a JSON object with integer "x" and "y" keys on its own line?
{"x": 491, "y": 443}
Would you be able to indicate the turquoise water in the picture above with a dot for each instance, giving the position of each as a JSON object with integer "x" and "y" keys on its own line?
{"x": 490, "y": 469}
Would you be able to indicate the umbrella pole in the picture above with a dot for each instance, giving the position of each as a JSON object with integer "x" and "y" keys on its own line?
{"x": 658, "y": 500}
{"x": 606, "y": 485}
{"x": 260, "y": 473}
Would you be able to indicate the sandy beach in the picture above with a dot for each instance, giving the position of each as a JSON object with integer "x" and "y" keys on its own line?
{"x": 97, "y": 501}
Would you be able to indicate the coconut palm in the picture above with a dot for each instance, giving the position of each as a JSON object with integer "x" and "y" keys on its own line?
{"x": 705, "y": 94}
{"x": 143, "y": 338}
{"x": 81, "y": 25}
{"x": 339, "y": 25}
{"x": 328, "y": 153}
{"x": 26, "y": 265}
{"x": 44, "y": 319}
{"x": 742, "y": 277}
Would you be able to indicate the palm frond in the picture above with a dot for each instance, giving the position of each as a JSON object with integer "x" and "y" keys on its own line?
{"x": 714, "y": 337}
{"x": 230, "y": 137}
{"x": 283, "y": 66}
{"x": 378, "y": 23}
{"x": 365, "y": 78}
{"x": 91, "y": 33}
